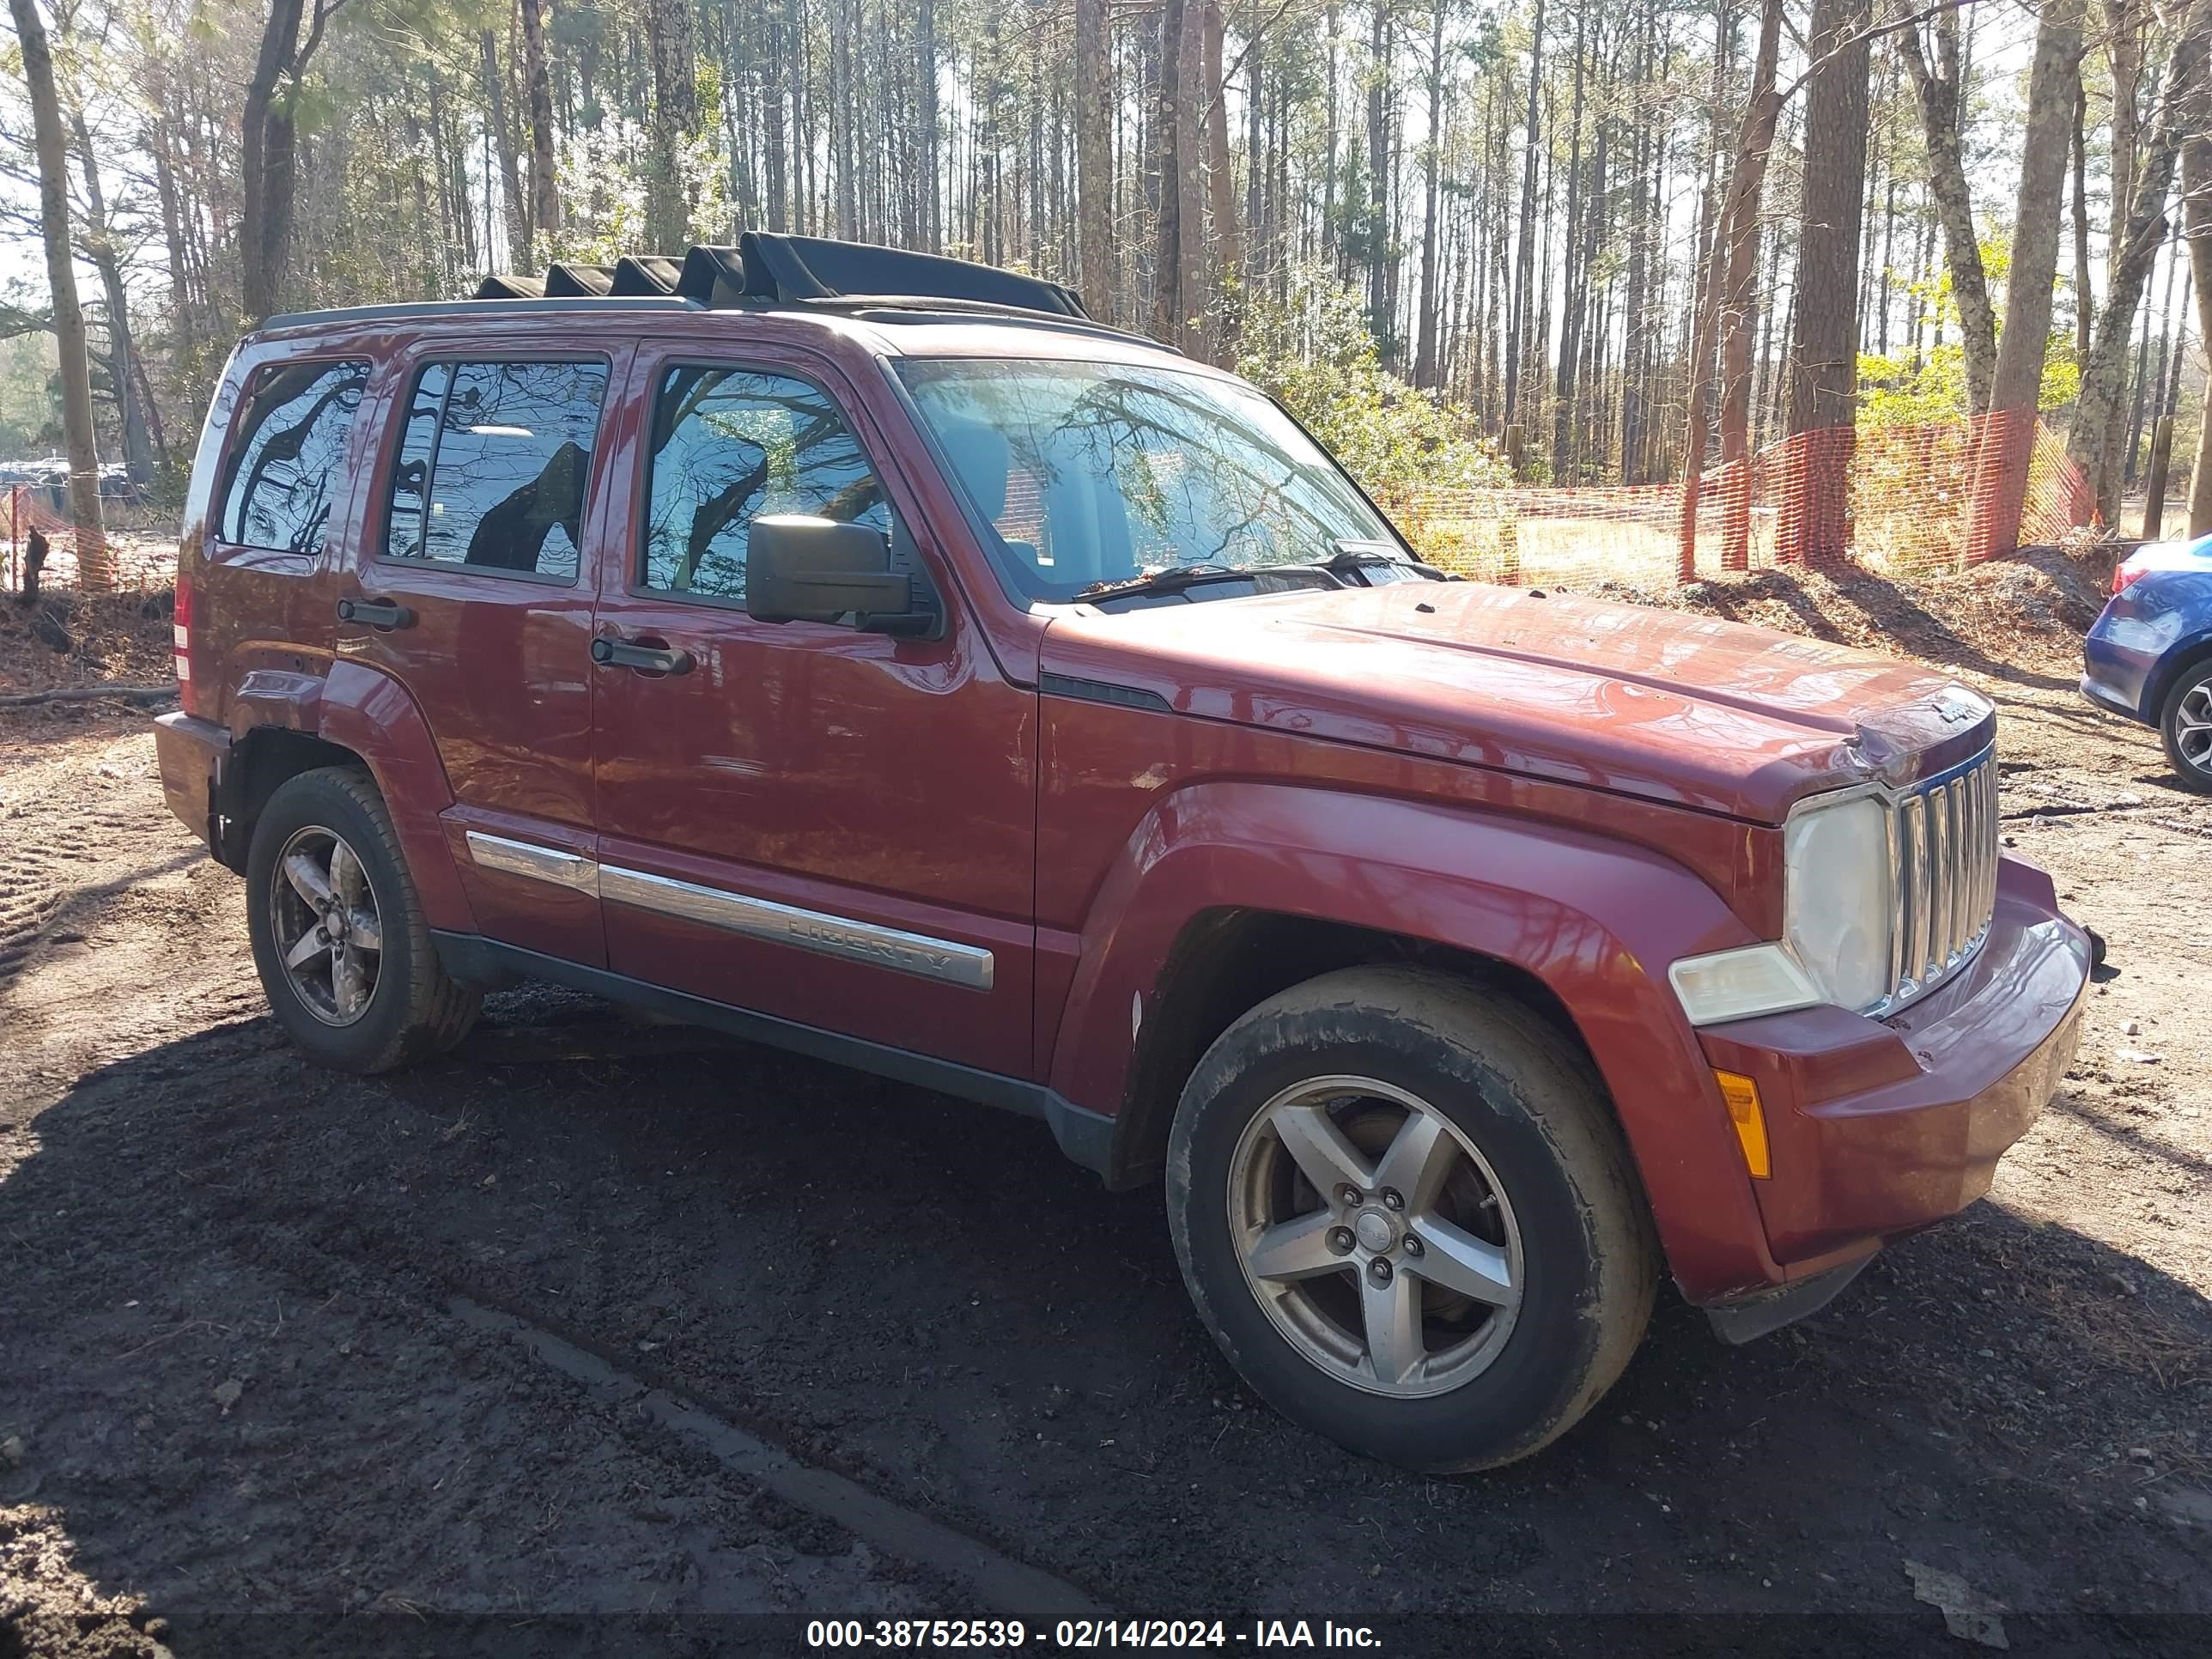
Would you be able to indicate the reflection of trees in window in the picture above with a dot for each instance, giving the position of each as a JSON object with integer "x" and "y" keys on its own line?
{"x": 507, "y": 448}
{"x": 278, "y": 491}
{"x": 410, "y": 478}
{"x": 1137, "y": 468}
{"x": 729, "y": 446}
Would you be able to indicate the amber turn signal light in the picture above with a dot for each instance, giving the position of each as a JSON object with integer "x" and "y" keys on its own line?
{"x": 1749, "y": 1118}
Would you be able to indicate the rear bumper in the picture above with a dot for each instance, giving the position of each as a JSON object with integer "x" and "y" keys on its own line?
{"x": 2106, "y": 694}
{"x": 1878, "y": 1129}
{"x": 192, "y": 754}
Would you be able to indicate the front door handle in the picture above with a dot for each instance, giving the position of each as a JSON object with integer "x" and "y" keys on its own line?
{"x": 652, "y": 658}
{"x": 377, "y": 613}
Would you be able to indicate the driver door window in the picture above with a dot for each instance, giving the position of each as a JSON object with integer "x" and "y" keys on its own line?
{"x": 729, "y": 446}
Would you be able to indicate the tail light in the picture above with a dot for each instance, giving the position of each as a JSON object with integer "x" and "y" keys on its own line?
{"x": 2126, "y": 572}
{"x": 194, "y": 694}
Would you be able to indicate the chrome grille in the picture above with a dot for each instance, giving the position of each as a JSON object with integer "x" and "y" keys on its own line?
{"x": 1943, "y": 875}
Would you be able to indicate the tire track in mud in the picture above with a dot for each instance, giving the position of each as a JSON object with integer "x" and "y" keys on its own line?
{"x": 997, "y": 1582}
{"x": 398, "y": 1271}
{"x": 28, "y": 900}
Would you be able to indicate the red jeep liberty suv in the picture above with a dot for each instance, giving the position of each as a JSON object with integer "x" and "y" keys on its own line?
{"x": 868, "y": 654}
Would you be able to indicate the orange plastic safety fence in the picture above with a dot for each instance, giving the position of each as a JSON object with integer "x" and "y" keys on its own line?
{"x": 140, "y": 558}
{"x": 1908, "y": 500}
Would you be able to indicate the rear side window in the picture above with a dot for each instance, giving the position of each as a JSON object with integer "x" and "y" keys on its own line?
{"x": 283, "y": 469}
{"x": 493, "y": 465}
{"x": 730, "y": 445}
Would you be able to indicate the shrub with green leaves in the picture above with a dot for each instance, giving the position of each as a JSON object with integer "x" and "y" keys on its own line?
{"x": 1313, "y": 353}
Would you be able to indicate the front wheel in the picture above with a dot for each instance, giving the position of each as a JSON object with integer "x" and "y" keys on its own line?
{"x": 2186, "y": 725}
{"x": 337, "y": 929}
{"x": 1408, "y": 1219}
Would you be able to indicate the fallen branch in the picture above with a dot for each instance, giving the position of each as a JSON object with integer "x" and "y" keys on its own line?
{"x": 89, "y": 694}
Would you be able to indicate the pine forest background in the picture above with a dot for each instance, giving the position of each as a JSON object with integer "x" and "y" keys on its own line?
{"x": 1586, "y": 241}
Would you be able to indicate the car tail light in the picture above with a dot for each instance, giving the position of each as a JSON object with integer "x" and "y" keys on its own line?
{"x": 2126, "y": 572}
{"x": 196, "y": 697}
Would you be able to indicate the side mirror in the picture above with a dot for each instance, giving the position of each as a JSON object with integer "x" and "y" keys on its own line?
{"x": 800, "y": 569}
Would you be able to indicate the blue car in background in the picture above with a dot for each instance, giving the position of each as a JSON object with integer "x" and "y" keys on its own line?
{"x": 2149, "y": 657}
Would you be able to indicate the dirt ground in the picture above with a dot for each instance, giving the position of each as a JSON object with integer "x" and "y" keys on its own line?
{"x": 606, "y": 1338}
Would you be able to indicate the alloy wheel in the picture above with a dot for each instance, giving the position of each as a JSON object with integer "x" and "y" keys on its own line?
{"x": 326, "y": 923}
{"x": 2193, "y": 727}
{"x": 1376, "y": 1237}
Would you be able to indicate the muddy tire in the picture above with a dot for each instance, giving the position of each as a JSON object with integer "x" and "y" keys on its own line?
{"x": 337, "y": 930}
{"x": 2185, "y": 724}
{"x": 1406, "y": 1215}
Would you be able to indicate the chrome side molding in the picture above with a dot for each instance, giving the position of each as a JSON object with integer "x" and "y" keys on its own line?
{"x": 533, "y": 862}
{"x": 967, "y": 965}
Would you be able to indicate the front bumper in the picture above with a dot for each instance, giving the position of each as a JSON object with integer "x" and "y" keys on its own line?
{"x": 1878, "y": 1129}
{"x": 192, "y": 754}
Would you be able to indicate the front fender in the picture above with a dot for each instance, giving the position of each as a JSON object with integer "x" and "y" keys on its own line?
{"x": 1596, "y": 922}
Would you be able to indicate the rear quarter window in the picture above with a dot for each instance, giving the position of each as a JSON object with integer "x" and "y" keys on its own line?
{"x": 283, "y": 469}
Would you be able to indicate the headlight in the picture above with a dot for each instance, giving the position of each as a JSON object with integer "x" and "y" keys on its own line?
{"x": 1835, "y": 945}
{"x": 1836, "y": 905}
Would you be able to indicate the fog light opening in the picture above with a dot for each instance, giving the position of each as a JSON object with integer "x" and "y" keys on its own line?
{"x": 1744, "y": 1110}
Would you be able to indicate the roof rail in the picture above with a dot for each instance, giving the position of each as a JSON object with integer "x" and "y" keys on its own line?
{"x": 766, "y": 268}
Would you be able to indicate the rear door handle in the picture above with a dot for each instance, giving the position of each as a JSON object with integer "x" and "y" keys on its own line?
{"x": 652, "y": 659}
{"x": 377, "y": 613}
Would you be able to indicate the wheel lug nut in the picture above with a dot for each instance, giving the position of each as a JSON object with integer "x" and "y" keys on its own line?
{"x": 1412, "y": 1245}
{"x": 1348, "y": 1196}
{"x": 1379, "y": 1271}
{"x": 1340, "y": 1240}
{"x": 322, "y": 936}
{"x": 1392, "y": 1199}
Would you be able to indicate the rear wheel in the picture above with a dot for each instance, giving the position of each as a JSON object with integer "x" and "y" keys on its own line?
{"x": 1408, "y": 1219}
{"x": 2186, "y": 725}
{"x": 337, "y": 929}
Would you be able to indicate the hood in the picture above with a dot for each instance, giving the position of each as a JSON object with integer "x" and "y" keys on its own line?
{"x": 1683, "y": 710}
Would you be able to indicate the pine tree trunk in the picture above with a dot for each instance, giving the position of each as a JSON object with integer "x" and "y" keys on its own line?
{"x": 510, "y": 164}
{"x": 1094, "y": 156}
{"x": 2001, "y": 492}
{"x": 1189, "y": 183}
{"x": 1569, "y": 326}
{"x": 545, "y": 179}
{"x": 267, "y": 143}
{"x": 1380, "y": 322}
{"x": 675, "y": 120}
{"x": 1425, "y": 345}
{"x": 1170, "y": 304}
{"x": 1739, "y": 253}
{"x": 1724, "y": 296}
{"x": 96, "y": 565}
{"x": 99, "y": 246}
{"x": 2094, "y": 441}
{"x": 2196, "y": 198}
{"x": 1221, "y": 192}
{"x": 1824, "y": 350}
{"x": 1524, "y": 274}
{"x": 1937, "y": 91}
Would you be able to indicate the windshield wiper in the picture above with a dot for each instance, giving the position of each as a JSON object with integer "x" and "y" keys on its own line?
{"x": 1168, "y": 579}
{"x": 1355, "y": 556}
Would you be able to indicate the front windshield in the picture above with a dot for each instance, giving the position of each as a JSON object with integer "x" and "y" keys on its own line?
{"x": 1098, "y": 472}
